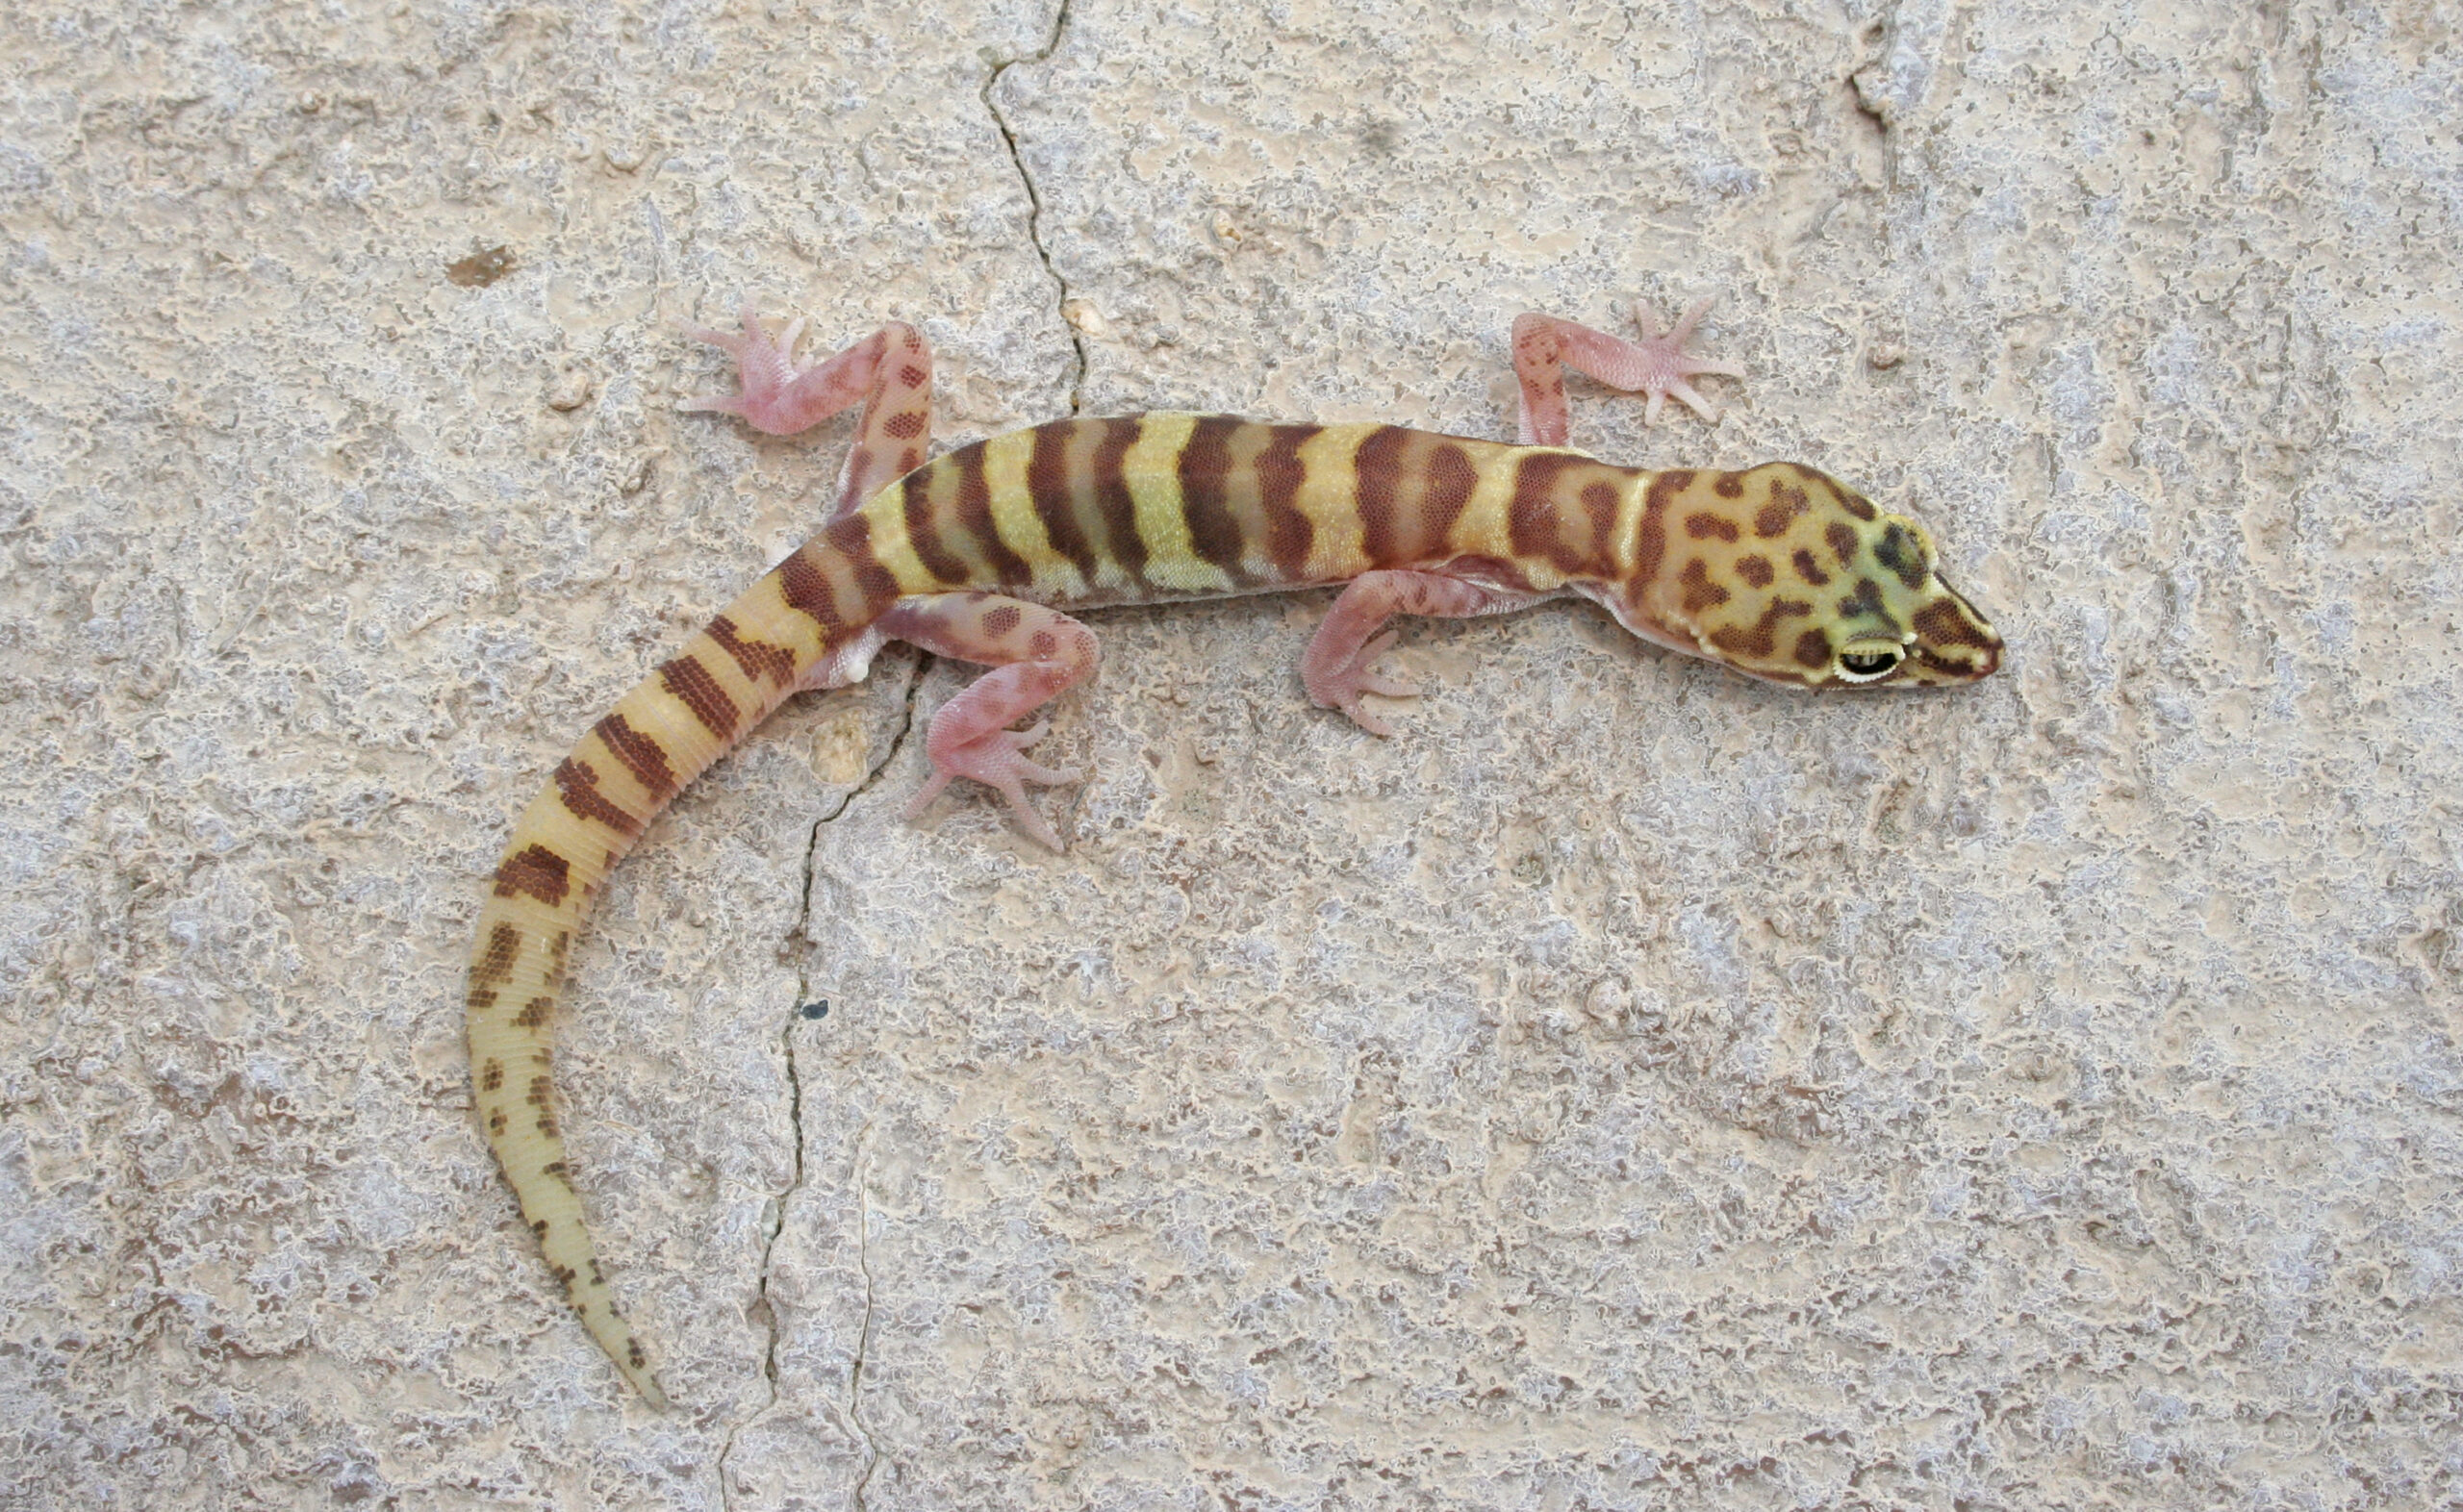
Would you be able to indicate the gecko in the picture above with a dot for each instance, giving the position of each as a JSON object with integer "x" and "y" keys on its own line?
{"x": 1778, "y": 571}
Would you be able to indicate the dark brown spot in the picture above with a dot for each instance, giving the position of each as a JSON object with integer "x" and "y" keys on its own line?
{"x": 539, "y": 1228}
{"x": 1205, "y": 469}
{"x": 1704, "y": 525}
{"x": 547, "y": 1125}
{"x": 481, "y": 268}
{"x": 541, "y": 1091}
{"x": 1376, "y": 468}
{"x": 1843, "y": 542}
{"x": 1813, "y": 649}
{"x": 1051, "y": 491}
{"x": 1807, "y": 567}
{"x": 1280, "y": 475}
{"x": 536, "y": 870}
{"x": 1865, "y": 602}
{"x": 497, "y": 1121}
{"x": 972, "y": 517}
{"x": 1599, "y": 501}
{"x": 496, "y": 962}
{"x": 1756, "y": 570}
{"x": 1112, "y": 501}
{"x": 806, "y": 588}
{"x": 1759, "y": 641}
{"x": 1533, "y": 526}
{"x": 859, "y": 473}
{"x": 1728, "y": 484}
{"x": 491, "y": 1075}
{"x": 1700, "y": 593}
{"x": 693, "y": 686}
{"x": 479, "y": 997}
{"x": 1041, "y": 645}
{"x": 643, "y": 756}
{"x": 1650, "y": 544}
{"x": 633, "y": 1352}
{"x": 998, "y": 623}
{"x": 577, "y": 784}
{"x": 1786, "y": 501}
{"x": 1947, "y": 622}
{"x": 757, "y": 659}
{"x": 1450, "y": 478}
{"x": 1898, "y": 551}
{"x": 852, "y": 537}
{"x": 535, "y": 1012}
{"x": 558, "y": 1169}
{"x": 1854, "y": 504}
{"x": 924, "y": 529}
{"x": 912, "y": 375}
{"x": 904, "y": 425}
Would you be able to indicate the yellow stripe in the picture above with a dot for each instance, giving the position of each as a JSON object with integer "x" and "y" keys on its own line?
{"x": 1329, "y": 496}
{"x": 1151, "y": 470}
{"x": 885, "y": 512}
{"x": 1015, "y": 520}
{"x": 1629, "y": 522}
{"x": 1481, "y": 528}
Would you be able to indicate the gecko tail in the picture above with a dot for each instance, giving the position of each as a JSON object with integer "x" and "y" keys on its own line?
{"x": 609, "y": 788}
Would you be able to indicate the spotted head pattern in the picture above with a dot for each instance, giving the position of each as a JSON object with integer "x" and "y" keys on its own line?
{"x": 1788, "y": 575}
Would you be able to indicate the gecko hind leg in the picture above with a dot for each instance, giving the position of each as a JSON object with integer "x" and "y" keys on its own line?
{"x": 1656, "y": 366}
{"x": 1336, "y": 666}
{"x": 1035, "y": 653}
{"x": 890, "y": 371}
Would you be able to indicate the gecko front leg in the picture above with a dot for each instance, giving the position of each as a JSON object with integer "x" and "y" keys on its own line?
{"x": 1334, "y": 668}
{"x": 1035, "y": 653}
{"x": 1657, "y": 365}
{"x": 890, "y": 371}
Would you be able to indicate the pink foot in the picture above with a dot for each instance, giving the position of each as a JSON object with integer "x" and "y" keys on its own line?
{"x": 1656, "y": 366}
{"x": 994, "y": 760}
{"x": 1340, "y": 686}
{"x": 776, "y": 393}
{"x": 1661, "y": 365}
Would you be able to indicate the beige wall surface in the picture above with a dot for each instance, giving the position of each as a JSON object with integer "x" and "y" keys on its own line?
{"x": 1629, "y": 1087}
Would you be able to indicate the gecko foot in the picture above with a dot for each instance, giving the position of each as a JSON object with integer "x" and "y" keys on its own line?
{"x": 1341, "y": 686}
{"x": 776, "y": 393}
{"x": 1661, "y": 365}
{"x": 994, "y": 759}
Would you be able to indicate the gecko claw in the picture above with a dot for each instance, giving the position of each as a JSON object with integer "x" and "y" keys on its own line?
{"x": 1341, "y": 687}
{"x": 995, "y": 760}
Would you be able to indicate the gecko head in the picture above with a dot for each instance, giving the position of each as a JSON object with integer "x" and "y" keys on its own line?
{"x": 1788, "y": 575}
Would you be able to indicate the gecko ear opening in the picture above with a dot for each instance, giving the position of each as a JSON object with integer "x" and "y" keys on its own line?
{"x": 1868, "y": 661}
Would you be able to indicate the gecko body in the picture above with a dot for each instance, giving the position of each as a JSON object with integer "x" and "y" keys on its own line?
{"x": 1778, "y": 571}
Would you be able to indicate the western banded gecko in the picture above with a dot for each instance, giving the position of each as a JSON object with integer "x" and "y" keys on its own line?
{"x": 1778, "y": 571}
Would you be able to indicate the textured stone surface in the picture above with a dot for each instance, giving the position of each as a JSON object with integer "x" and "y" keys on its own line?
{"x": 1629, "y": 1087}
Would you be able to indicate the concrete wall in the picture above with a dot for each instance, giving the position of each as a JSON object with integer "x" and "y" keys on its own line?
{"x": 1630, "y": 1086}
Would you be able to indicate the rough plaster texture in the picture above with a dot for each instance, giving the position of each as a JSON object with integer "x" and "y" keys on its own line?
{"x": 1628, "y": 1088}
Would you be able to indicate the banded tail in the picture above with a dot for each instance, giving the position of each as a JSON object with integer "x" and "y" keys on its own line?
{"x": 605, "y": 792}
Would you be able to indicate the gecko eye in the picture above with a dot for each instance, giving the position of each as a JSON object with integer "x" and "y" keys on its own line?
{"x": 1869, "y": 661}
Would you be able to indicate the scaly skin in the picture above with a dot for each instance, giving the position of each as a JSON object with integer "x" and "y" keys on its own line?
{"x": 1778, "y": 571}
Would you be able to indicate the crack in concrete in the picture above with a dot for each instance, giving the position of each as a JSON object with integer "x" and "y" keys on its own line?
{"x": 777, "y": 1217}
{"x": 1034, "y": 196}
{"x": 864, "y": 1325}
{"x": 779, "y": 1200}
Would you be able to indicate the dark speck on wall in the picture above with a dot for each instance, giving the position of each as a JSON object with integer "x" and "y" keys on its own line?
{"x": 481, "y": 268}
{"x": 814, "y": 1010}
